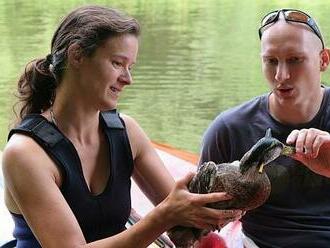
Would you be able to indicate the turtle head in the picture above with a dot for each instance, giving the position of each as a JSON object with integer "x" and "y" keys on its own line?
{"x": 264, "y": 151}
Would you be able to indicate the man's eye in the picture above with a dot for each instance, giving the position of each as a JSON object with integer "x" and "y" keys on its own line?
{"x": 295, "y": 60}
{"x": 270, "y": 61}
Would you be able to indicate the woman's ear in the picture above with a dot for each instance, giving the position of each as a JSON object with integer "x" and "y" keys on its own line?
{"x": 75, "y": 55}
{"x": 324, "y": 59}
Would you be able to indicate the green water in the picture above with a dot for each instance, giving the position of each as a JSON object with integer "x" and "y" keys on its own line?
{"x": 196, "y": 58}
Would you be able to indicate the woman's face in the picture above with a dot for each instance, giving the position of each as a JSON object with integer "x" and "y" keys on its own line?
{"x": 103, "y": 76}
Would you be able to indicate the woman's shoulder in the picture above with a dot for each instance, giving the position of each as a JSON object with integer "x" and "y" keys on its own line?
{"x": 137, "y": 137}
{"x": 131, "y": 124}
{"x": 27, "y": 169}
{"x": 20, "y": 146}
{"x": 129, "y": 120}
{"x": 23, "y": 153}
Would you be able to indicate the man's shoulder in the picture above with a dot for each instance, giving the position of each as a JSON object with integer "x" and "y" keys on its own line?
{"x": 324, "y": 109}
{"x": 235, "y": 119}
{"x": 327, "y": 89}
{"x": 224, "y": 135}
{"x": 246, "y": 110}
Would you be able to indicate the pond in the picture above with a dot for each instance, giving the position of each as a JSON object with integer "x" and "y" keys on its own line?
{"x": 197, "y": 58}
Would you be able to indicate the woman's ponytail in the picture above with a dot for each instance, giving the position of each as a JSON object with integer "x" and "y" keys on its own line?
{"x": 36, "y": 87}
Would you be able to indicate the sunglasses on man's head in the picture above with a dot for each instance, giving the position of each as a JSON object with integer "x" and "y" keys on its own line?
{"x": 291, "y": 15}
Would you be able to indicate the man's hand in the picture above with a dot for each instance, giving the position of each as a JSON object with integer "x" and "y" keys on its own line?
{"x": 312, "y": 149}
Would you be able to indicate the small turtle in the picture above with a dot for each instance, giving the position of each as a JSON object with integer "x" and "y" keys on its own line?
{"x": 245, "y": 180}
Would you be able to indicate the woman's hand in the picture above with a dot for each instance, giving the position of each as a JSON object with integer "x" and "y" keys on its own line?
{"x": 188, "y": 209}
{"x": 312, "y": 149}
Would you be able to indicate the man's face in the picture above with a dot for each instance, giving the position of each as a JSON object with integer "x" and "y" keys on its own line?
{"x": 291, "y": 60}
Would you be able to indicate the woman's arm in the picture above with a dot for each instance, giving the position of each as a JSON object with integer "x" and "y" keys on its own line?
{"x": 32, "y": 180}
{"x": 150, "y": 172}
{"x": 156, "y": 182}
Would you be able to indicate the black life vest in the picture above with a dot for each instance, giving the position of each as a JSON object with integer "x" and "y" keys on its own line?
{"x": 102, "y": 215}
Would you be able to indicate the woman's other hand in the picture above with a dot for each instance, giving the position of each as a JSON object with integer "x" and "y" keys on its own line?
{"x": 188, "y": 209}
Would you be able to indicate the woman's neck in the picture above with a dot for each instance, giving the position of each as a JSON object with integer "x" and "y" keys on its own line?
{"x": 75, "y": 117}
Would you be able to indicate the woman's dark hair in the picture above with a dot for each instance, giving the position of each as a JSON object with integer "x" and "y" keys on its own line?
{"x": 87, "y": 26}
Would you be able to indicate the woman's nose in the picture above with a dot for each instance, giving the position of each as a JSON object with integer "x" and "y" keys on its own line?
{"x": 126, "y": 76}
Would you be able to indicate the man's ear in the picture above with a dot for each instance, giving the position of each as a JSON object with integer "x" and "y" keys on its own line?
{"x": 324, "y": 59}
{"x": 75, "y": 55}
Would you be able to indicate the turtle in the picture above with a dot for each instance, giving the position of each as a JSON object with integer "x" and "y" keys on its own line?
{"x": 245, "y": 180}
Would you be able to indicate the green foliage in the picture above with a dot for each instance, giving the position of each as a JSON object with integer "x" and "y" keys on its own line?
{"x": 197, "y": 58}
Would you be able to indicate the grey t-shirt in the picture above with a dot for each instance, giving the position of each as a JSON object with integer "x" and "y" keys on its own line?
{"x": 297, "y": 213}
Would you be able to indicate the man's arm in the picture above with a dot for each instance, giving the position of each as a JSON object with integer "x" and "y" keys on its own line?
{"x": 215, "y": 143}
{"x": 312, "y": 149}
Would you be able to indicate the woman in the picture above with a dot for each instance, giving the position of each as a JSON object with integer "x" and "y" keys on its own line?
{"x": 67, "y": 165}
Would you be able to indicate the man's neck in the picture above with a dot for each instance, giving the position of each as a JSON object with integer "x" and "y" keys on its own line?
{"x": 295, "y": 113}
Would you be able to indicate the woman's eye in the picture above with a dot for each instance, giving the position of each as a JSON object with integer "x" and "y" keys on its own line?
{"x": 117, "y": 64}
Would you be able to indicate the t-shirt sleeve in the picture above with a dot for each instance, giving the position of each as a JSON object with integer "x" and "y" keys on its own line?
{"x": 215, "y": 143}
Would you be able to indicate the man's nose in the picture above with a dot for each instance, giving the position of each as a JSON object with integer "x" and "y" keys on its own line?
{"x": 282, "y": 72}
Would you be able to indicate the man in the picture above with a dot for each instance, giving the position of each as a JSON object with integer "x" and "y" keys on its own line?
{"x": 297, "y": 109}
